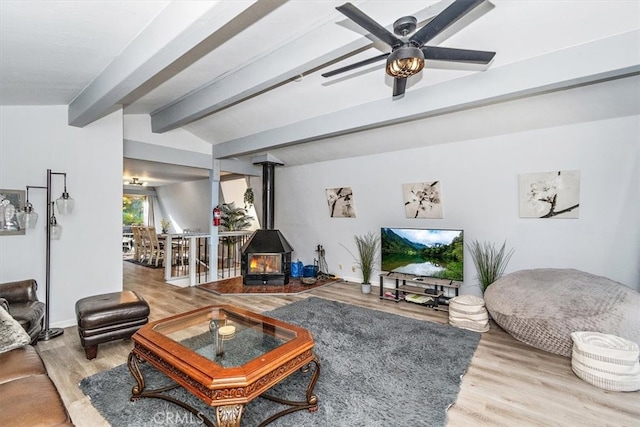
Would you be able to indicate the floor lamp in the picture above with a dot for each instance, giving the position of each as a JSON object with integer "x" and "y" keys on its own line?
{"x": 28, "y": 219}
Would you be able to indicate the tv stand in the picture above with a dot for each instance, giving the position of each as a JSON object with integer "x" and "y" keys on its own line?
{"x": 407, "y": 285}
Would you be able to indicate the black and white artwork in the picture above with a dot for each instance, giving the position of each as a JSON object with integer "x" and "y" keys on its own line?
{"x": 11, "y": 202}
{"x": 340, "y": 202}
{"x": 423, "y": 200}
{"x": 550, "y": 194}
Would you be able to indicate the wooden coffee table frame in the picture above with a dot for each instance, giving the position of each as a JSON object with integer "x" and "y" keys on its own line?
{"x": 225, "y": 389}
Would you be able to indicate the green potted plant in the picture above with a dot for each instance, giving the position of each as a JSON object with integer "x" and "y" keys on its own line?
{"x": 164, "y": 224}
{"x": 368, "y": 246}
{"x": 490, "y": 262}
{"x": 233, "y": 218}
{"x": 248, "y": 198}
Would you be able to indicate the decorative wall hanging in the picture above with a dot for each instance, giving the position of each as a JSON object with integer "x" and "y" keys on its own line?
{"x": 423, "y": 200}
{"x": 550, "y": 194}
{"x": 11, "y": 203}
{"x": 340, "y": 202}
{"x": 248, "y": 198}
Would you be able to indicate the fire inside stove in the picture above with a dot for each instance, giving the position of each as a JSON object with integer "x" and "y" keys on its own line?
{"x": 265, "y": 263}
{"x": 259, "y": 268}
{"x": 266, "y": 259}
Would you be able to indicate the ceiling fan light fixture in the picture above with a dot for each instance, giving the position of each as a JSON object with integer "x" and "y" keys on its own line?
{"x": 134, "y": 181}
{"x": 405, "y": 62}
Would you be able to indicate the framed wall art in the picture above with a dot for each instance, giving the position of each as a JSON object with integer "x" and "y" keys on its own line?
{"x": 423, "y": 200}
{"x": 550, "y": 194}
{"x": 11, "y": 202}
{"x": 340, "y": 201}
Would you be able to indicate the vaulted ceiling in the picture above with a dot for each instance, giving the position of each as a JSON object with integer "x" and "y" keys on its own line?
{"x": 245, "y": 76}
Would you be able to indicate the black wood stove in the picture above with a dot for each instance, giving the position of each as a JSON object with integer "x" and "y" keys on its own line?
{"x": 266, "y": 255}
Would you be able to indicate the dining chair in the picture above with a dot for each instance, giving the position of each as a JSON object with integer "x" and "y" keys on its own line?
{"x": 156, "y": 247}
{"x": 138, "y": 246}
{"x": 146, "y": 245}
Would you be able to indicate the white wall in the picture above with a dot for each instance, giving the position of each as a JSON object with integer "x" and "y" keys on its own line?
{"x": 185, "y": 205}
{"x": 479, "y": 184}
{"x": 87, "y": 259}
{"x": 233, "y": 192}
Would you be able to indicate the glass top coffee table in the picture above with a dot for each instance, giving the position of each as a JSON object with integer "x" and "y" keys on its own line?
{"x": 226, "y": 356}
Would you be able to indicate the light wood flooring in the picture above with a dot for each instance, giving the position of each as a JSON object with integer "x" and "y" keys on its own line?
{"x": 507, "y": 384}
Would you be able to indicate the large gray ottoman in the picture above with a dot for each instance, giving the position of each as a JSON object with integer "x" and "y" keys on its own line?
{"x": 542, "y": 307}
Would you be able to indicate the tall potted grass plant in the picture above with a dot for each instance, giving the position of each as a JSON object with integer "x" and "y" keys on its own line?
{"x": 490, "y": 261}
{"x": 368, "y": 246}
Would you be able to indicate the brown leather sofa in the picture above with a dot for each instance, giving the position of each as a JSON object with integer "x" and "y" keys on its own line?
{"x": 20, "y": 300}
{"x": 28, "y": 397}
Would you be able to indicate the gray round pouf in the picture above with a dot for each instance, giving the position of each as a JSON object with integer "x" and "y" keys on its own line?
{"x": 542, "y": 307}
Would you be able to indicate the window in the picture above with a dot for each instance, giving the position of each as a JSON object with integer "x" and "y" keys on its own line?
{"x": 133, "y": 210}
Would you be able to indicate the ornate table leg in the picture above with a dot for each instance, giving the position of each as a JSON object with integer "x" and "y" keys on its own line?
{"x": 229, "y": 415}
{"x": 134, "y": 368}
{"x": 311, "y": 402}
{"x": 138, "y": 392}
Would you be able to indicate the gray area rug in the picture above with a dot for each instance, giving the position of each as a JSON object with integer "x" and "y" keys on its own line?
{"x": 376, "y": 369}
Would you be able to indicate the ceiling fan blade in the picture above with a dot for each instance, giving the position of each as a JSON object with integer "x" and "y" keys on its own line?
{"x": 399, "y": 86}
{"x": 360, "y": 18}
{"x": 457, "y": 55}
{"x": 443, "y": 20}
{"x": 355, "y": 65}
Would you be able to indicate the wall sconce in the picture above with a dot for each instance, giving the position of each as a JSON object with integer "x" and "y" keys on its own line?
{"x": 28, "y": 219}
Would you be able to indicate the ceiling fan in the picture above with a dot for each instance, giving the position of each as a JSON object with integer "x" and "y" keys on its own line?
{"x": 408, "y": 54}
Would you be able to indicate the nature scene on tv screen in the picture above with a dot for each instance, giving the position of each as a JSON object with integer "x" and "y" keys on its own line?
{"x": 423, "y": 252}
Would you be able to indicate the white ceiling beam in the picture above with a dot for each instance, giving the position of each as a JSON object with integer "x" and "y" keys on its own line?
{"x": 174, "y": 156}
{"x": 240, "y": 167}
{"x": 608, "y": 58}
{"x": 280, "y": 66}
{"x": 162, "y": 154}
{"x": 161, "y": 49}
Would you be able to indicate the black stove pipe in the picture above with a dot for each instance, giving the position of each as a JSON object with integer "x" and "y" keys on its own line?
{"x": 268, "y": 196}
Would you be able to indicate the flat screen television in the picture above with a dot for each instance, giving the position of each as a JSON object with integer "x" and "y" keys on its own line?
{"x": 423, "y": 252}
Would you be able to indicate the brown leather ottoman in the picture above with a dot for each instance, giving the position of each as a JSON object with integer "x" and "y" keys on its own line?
{"x": 108, "y": 317}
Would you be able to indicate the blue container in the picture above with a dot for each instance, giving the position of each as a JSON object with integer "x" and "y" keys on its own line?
{"x": 296, "y": 269}
{"x": 310, "y": 271}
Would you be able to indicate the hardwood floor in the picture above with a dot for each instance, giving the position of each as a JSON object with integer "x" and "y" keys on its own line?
{"x": 507, "y": 384}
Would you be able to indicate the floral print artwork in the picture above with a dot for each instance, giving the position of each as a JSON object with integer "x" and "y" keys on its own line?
{"x": 340, "y": 202}
{"x": 423, "y": 200}
{"x": 550, "y": 194}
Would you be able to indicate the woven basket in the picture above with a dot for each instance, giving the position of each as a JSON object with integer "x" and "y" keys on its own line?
{"x": 468, "y": 312}
{"x": 606, "y": 361}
